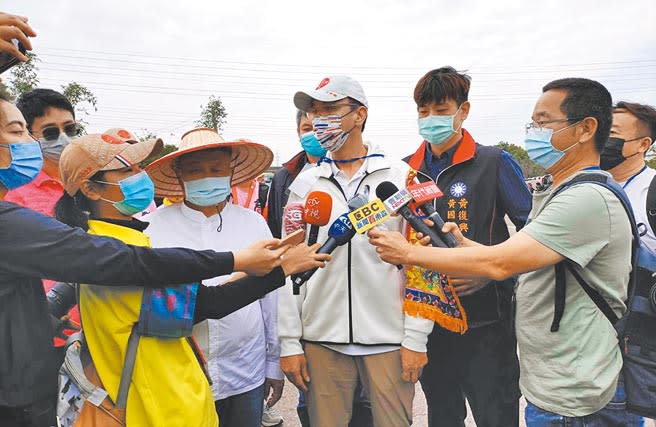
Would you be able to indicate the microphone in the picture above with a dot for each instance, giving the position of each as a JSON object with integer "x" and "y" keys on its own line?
{"x": 368, "y": 216}
{"x": 423, "y": 195}
{"x": 341, "y": 231}
{"x": 318, "y": 207}
{"x": 397, "y": 201}
{"x": 292, "y": 218}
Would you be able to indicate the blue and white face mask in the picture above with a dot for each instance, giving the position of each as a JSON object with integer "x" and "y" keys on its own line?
{"x": 437, "y": 129}
{"x": 26, "y": 163}
{"x": 138, "y": 193}
{"x": 208, "y": 191}
{"x": 539, "y": 148}
{"x": 311, "y": 145}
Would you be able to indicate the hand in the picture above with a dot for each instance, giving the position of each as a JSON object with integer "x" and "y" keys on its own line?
{"x": 275, "y": 387}
{"x": 260, "y": 257}
{"x": 412, "y": 363}
{"x": 465, "y": 287}
{"x": 296, "y": 370}
{"x": 62, "y": 324}
{"x": 303, "y": 258}
{"x": 15, "y": 27}
{"x": 391, "y": 246}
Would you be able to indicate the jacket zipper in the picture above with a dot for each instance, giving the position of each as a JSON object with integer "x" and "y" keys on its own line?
{"x": 348, "y": 269}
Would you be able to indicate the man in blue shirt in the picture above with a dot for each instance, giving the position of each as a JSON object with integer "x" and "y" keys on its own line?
{"x": 481, "y": 185}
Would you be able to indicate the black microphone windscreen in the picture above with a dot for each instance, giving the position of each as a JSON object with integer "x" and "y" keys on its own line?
{"x": 385, "y": 190}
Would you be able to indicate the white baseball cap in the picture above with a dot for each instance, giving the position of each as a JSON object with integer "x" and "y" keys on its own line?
{"x": 331, "y": 89}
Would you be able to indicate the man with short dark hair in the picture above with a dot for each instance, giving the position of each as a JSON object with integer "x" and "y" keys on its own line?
{"x": 481, "y": 185}
{"x": 50, "y": 118}
{"x": 347, "y": 326}
{"x": 631, "y": 135}
{"x": 569, "y": 364}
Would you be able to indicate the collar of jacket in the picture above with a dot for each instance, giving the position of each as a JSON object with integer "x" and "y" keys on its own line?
{"x": 296, "y": 163}
{"x": 466, "y": 150}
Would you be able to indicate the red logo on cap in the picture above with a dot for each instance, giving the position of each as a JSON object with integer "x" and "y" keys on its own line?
{"x": 110, "y": 139}
{"x": 323, "y": 83}
{"x": 124, "y": 134}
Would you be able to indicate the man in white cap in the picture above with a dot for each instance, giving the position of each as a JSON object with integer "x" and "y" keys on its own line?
{"x": 348, "y": 324}
{"x": 242, "y": 348}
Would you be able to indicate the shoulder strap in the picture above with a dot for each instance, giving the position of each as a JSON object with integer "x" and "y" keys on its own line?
{"x": 128, "y": 368}
{"x": 651, "y": 204}
{"x": 560, "y": 286}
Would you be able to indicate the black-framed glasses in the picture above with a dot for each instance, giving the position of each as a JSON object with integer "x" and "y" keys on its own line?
{"x": 52, "y": 132}
{"x": 539, "y": 125}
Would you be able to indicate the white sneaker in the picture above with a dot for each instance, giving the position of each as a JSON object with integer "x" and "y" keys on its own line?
{"x": 270, "y": 416}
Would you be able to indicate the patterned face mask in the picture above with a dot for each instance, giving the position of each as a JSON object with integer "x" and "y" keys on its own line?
{"x": 329, "y": 132}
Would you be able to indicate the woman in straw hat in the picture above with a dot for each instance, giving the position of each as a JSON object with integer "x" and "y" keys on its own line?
{"x": 243, "y": 351}
{"x": 103, "y": 180}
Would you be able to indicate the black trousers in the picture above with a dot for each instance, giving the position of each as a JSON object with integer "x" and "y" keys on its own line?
{"x": 480, "y": 366}
{"x": 38, "y": 414}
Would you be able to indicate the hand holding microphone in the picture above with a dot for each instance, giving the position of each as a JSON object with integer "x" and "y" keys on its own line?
{"x": 423, "y": 195}
{"x": 341, "y": 231}
{"x": 397, "y": 201}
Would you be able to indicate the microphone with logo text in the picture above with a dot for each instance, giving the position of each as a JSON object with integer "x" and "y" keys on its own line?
{"x": 317, "y": 210}
{"x": 292, "y": 218}
{"x": 396, "y": 200}
{"x": 341, "y": 231}
{"x": 423, "y": 194}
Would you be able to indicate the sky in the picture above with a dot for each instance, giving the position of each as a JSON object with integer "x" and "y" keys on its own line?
{"x": 152, "y": 64}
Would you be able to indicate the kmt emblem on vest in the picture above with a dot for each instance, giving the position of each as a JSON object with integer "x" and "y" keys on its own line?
{"x": 458, "y": 189}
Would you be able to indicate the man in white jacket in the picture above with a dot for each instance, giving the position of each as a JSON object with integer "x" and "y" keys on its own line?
{"x": 348, "y": 321}
{"x": 242, "y": 348}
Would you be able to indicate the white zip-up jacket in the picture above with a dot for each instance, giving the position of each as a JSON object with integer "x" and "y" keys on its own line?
{"x": 357, "y": 298}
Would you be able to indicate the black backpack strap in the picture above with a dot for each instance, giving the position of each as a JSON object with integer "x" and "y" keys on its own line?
{"x": 651, "y": 204}
{"x": 559, "y": 296}
{"x": 594, "y": 295}
{"x": 560, "y": 285}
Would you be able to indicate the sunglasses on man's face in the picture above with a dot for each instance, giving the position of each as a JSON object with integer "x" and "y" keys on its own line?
{"x": 52, "y": 132}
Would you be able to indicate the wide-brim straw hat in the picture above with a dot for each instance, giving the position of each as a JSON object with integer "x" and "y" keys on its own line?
{"x": 249, "y": 160}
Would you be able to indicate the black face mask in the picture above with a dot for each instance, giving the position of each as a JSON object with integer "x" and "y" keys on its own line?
{"x": 611, "y": 155}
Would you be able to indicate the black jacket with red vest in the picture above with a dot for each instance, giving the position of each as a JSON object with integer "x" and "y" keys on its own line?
{"x": 476, "y": 200}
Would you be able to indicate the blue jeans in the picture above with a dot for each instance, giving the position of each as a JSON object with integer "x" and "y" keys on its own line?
{"x": 241, "y": 410}
{"x": 612, "y": 415}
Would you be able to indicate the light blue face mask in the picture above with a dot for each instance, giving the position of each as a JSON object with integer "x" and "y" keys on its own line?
{"x": 138, "y": 193}
{"x": 539, "y": 148}
{"x": 26, "y": 163}
{"x": 52, "y": 148}
{"x": 207, "y": 191}
{"x": 311, "y": 145}
{"x": 437, "y": 129}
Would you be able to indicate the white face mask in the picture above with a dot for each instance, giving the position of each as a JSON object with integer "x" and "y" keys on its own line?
{"x": 52, "y": 149}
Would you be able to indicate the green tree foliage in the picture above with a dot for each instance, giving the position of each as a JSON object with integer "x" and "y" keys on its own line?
{"x": 81, "y": 98}
{"x": 213, "y": 114}
{"x": 529, "y": 167}
{"x": 145, "y": 135}
{"x": 24, "y": 76}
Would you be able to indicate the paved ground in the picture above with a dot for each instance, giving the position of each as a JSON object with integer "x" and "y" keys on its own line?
{"x": 287, "y": 407}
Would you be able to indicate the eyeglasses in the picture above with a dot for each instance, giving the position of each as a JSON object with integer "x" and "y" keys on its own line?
{"x": 329, "y": 109}
{"x": 539, "y": 125}
{"x": 52, "y": 132}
